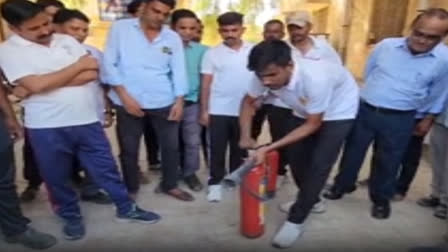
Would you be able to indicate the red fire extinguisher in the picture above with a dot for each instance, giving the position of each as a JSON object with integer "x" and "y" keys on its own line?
{"x": 258, "y": 186}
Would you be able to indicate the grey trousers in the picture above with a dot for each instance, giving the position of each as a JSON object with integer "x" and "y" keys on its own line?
{"x": 439, "y": 162}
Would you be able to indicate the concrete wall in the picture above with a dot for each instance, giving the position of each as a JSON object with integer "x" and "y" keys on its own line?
{"x": 357, "y": 45}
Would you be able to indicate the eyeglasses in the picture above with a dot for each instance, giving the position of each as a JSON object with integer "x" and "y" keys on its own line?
{"x": 430, "y": 37}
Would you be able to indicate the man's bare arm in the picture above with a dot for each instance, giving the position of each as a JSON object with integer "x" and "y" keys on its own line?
{"x": 47, "y": 82}
{"x": 206, "y": 83}
{"x": 247, "y": 113}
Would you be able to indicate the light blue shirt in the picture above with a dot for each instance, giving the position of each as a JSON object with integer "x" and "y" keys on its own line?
{"x": 397, "y": 79}
{"x": 153, "y": 73}
{"x": 194, "y": 53}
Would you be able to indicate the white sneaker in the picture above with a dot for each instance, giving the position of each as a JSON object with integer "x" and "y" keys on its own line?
{"x": 281, "y": 181}
{"x": 318, "y": 208}
{"x": 287, "y": 235}
{"x": 214, "y": 193}
{"x": 286, "y": 206}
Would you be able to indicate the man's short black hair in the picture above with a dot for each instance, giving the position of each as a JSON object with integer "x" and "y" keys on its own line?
{"x": 181, "y": 13}
{"x": 170, "y": 3}
{"x": 65, "y": 15}
{"x": 15, "y": 12}
{"x": 132, "y": 8}
{"x": 274, "y": 21}
{"x": 230, "y": 18}
{"x": 47, "y": 3}
{"x": 275, "y": 52}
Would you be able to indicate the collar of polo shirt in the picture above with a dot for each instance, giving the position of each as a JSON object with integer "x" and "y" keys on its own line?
{"x": 24, "y": 42}
{"x": 136, "y": 23}
{"x": 294, "y": 76}
{"x": 403, "y": 43}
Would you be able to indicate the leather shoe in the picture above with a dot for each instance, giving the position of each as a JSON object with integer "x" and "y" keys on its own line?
{"x": 334, "y": 193}
{"x": 180, "y": 194}
{"x": 193, "y": 183}
{"x": 381, "y": 211}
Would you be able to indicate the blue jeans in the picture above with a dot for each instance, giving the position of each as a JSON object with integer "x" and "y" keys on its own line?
{"x": 190, "y": 140}
{"x": 391, "y": 131}
{"x": 55, "y": 149}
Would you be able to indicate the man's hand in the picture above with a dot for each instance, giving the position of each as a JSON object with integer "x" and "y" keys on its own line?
{"x": 177, "y": 111}
{"x": 131, "y": 105}
{"x": 259, "y": 155}
{"x": 108, "y": 120}
{"x": 423, "y": 127}
{"x": 14, "y": 128}
{"x": 87, "y": 62}
{"x": 204, "y": 119}
{"x": 247, "y": 143}
{"x": 20, "y": 92}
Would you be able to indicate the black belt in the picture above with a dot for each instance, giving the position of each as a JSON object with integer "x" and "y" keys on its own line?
{"x": 386, "y": 110}
{"x": 189, "y": 103}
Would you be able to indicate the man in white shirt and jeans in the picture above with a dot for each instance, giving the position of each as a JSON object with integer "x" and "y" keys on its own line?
{"x": 324, "y": 106}
{"x": 60, "y": 115}
{"x": 224, "y": 84}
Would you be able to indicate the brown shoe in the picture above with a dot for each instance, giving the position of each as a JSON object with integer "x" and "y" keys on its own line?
{"x": 180, "y": 194}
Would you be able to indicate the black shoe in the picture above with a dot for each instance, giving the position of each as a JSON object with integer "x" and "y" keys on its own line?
{"x": 334, "y": 193}
{"x": 441, "y": 212}
{"x": 194, "y": 183}
{"x": 33, "y": 239}
{"x": 430, "y": 201}
{"x": 29, "y": 194}
{"x": 381, "y": 211}
{"x": 99, "y": 198}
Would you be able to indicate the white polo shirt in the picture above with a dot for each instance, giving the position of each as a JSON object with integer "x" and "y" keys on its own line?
{"x": 231, "y": 78}
{"x": 321, "y": 50}
{"x": 68, "y": 106}
{"x": 316, "y": 87}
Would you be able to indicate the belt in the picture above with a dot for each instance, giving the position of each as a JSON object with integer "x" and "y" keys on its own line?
{"x": 386, "y": 110}
{"x": 189, "y": 103}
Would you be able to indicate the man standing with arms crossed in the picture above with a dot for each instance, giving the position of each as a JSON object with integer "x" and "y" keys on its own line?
{"x": 60, "y": 113}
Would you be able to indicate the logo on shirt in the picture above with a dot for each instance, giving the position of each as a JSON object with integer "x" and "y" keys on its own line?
{"x": 167, "y": 50}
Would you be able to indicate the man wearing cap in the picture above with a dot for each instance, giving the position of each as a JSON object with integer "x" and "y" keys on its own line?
{"x": 299, "y": 26}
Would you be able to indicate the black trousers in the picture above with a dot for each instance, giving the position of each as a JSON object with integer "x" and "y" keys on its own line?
{"x": 12, "y": 221}
{"x": 129, "y": 132}
{"x": 312, "y": 159}
{"x": 258, "y": 120}
{"x": 152, "y": 146}
{"x": 224, "y": 133}
{"x": 278, "y": 124}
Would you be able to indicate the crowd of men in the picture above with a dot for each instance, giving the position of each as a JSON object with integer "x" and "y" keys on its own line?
{"x": 158, "y": 82}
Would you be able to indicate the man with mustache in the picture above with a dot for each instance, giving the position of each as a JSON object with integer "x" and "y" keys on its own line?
{"x": 224, "y": 83}
{"x": 145, "y": 65}
{"x": 403, "y": 76}
{"x": 60, "y": 113}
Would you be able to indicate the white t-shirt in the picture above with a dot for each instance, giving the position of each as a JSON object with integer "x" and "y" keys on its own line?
{"x": 231, "y": 78}
{"x": 98, "y": 89}
{"x": 316, "y": 87}
{"x": 63, "y": 107}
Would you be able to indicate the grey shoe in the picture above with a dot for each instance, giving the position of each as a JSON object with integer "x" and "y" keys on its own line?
{"x": 33, "y": 239}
